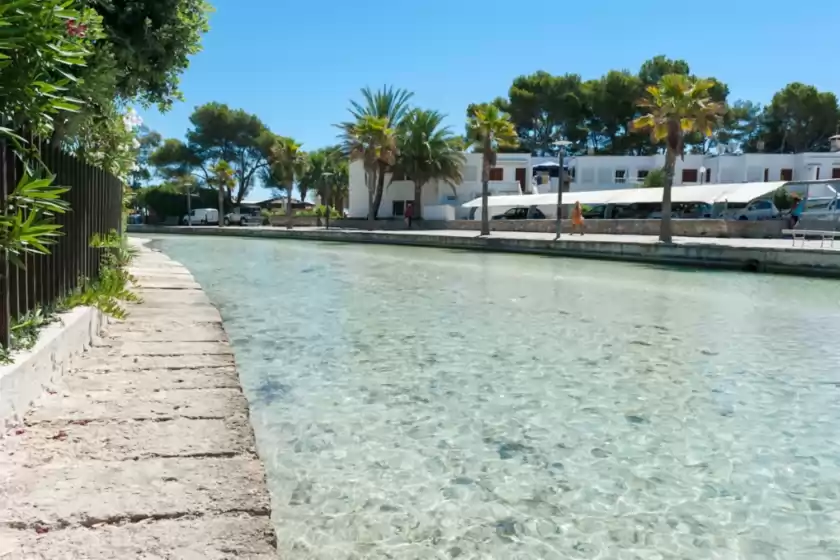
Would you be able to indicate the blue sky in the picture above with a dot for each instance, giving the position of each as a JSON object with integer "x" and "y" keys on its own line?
{"x": 296, "y": 64}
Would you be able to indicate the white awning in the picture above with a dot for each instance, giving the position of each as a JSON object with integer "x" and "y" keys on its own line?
{"x": 733, "y": 193}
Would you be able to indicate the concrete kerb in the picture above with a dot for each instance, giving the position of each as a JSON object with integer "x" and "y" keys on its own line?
{"x": 24, "y": 381}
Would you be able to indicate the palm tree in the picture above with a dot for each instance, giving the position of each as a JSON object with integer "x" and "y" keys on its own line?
{"x": 677, "y": 105}
{"x": 327, "y": 175}
{"x": 223, "y": 179}
{"x": 427, "y": 152}
{"x": 373, "y": 142}
{"x": 288, "y": 163}
{"x": 389, "y": 104}
{"x": 491, "y": 129}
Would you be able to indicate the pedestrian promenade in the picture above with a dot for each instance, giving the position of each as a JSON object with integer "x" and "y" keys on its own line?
{"x": 145, "y": 448}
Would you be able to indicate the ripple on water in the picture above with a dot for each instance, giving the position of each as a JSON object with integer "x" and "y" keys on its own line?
{"x": 415, "y": 403}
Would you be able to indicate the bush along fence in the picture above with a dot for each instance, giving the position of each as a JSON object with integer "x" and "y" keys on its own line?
{"x": 48, "y": 223}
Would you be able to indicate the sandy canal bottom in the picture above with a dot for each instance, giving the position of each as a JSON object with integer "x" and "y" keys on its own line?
{"x": 420, "y": 403}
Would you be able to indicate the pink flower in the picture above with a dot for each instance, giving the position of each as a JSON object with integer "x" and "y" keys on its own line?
{"x": 75, "y": 29}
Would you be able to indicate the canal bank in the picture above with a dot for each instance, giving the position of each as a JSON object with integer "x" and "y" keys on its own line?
{"x": 144, "y": 447}
{"x": 760, "y": 255}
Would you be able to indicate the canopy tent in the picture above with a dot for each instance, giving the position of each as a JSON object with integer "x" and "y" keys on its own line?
{"x": 733, "y": 193}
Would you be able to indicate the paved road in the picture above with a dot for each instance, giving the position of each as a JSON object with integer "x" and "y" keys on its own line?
{"x": 145, "y": 448}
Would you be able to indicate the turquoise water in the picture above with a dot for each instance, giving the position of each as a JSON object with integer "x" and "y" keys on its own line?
{"x": 418, "y": 403}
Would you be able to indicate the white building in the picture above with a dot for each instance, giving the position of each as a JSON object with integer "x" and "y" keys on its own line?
{"x": 591, "y": 173}
{"x": 514, "y": 174}
{"x": 441, "y": 201}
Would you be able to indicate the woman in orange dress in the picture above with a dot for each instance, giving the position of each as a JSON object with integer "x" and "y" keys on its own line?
{"x": 577, "y": 218}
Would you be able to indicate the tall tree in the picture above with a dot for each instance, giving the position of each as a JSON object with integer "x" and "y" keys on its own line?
{"x": 428, "y": 151}
{"x": 612, "y": 102}
{"x": 546, "y": 108}
{"x": 490, "y": 129}
{"x": 371, "y": 141}
{"x": 220, "y": 133}
{"x": 389, "y": 104}
{"x": 147, "y": 142}
{"x": 288, "y": 162}
{"x": 800, "y": 118}
{"x": 654, "y": 69}
{"x": 148, "y": 45}
{"x": 327, "y": 175}
{"x": 677, "y": 106}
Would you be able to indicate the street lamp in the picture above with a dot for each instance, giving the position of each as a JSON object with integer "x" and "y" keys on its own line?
{"x": 561, "y": 145}
{"x": 325, "y": 175}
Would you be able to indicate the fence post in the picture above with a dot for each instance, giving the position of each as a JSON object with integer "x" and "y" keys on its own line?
{"x": 6, "y": 169}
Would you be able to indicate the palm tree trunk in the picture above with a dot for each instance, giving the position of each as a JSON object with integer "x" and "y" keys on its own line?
{"x": 380, "y": 189}
{"x": 418, "y": 195}
{"x": 665, "y": 226}
{"x": 289, "y": 213}
{"x": 371, "y": 187}
{"x": 485, "y": 193}
{"x": 221, "y": 205}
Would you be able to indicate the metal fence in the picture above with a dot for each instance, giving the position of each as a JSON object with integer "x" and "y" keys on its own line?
{"x": 95, "y": 199}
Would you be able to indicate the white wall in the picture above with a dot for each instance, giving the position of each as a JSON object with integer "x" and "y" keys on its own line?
{"x": 598, "y": 172}
{"x": 434, "y": 193}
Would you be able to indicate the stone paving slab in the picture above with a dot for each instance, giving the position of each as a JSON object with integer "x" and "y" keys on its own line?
{"x": 157, "y": 406}
{"x": 146, "y": 348}
{"x": 90, "y": 492}
{"x": 152, "y": 380}
{"x": 144, "y": 448}
{"x": 156, "y": 333}
{"x": 98, "y": 360}
{"x": 214, "y": 538}
{"x": 121, "y": 440}
{"x": 155, "y": 298}
{"x": 199, "y": 313}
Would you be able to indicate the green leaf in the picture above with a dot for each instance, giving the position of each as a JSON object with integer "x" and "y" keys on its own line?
{"x": 65, "y": 106}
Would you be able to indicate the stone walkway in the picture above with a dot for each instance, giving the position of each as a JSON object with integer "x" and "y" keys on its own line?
{"x": 144, "y": 450}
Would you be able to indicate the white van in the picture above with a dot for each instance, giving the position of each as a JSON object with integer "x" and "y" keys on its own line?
{"x": 201, "y": 216}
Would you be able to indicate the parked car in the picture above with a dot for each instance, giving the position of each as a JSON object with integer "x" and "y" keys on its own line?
{"x": 243, "y": 216}
{"x": 760, "y": 209}
{"x": 521, "y": 213}
{"x": 201, "y": 216}
{"x": 822, "y": 209}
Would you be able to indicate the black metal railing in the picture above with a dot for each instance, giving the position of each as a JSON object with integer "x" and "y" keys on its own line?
{"x": 95, "y": 201}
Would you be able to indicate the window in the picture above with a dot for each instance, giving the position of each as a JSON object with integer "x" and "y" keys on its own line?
{"x": 762, "y": 205}
{"x": 620, "y": 175}
{"x": 786, "y": 175}
{"x": 398, "y": 207}
{"x": 835, "y": 173}
{"x": 642, "y": 174}
{"x": 496, "y": 174}
{"x": 766, "y": 175}
{"x": 689, "y": 175}
{"x": 708, "y": 175}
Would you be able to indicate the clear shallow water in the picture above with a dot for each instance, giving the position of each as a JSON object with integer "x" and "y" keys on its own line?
{"x": 414, "y": 403}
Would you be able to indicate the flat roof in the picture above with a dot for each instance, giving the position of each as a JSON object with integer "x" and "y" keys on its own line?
{"x": 732, "y": 192}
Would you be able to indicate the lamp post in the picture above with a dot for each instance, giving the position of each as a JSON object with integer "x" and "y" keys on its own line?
{"x": 327, "y": 175}
{"x": 561, "y": 145}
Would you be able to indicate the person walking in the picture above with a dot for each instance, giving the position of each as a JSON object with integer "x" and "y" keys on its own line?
{"x": 409, "y": 214}
{"x": 796, "y": 211}
{"x": 577, "y": 218}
